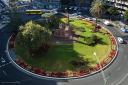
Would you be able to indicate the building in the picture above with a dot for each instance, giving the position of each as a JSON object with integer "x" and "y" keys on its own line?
{"x": 122, "y": 5}
{"x": 78, "y": 5}
{"x": 46, "y": 4}
{"x": 82, "y": 3}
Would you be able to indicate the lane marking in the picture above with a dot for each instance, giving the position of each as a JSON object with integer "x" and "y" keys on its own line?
{"x": 5, "y": 73}
{"x": 122, "y": 79}
{"x": 3, "y": 60}
{"x": 63, "y": 83}
{"x": 5, "y": 64}
{"x": 11, "y": 82}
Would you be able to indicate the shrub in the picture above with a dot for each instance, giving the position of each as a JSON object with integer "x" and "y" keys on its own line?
{"x": 92, "y": 40}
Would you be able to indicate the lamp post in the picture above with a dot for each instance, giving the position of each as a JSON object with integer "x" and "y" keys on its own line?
{"x": 102, "y": 72}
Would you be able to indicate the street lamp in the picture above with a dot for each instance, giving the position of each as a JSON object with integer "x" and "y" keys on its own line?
{"x": 102, "y": 72}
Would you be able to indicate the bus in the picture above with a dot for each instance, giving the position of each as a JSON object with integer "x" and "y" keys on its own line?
{"x": 34, "y": 12}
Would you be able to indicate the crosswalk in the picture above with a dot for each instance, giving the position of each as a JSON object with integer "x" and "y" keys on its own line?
{"x": 4, "y": 64}
{"x": 2, "y": 61}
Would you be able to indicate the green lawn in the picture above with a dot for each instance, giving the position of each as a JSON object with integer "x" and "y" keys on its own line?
{"x": 59, "y": 56}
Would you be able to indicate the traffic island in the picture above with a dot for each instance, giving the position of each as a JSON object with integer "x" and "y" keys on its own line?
{"x": 70, "y": 54}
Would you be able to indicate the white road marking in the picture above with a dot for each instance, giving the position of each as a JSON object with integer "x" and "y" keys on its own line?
{"x": 63, "y": 83}
{"x": 5, "y": 64}
{"x": 5, "y": 73}
{"x": 3, "y": 60}
{"x": 11, "y": 82}
{"x": 119, "y": 83}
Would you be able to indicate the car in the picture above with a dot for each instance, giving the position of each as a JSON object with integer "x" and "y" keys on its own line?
{"x": 125, "y": 30}
{"x": 120, "y": 40}
{"x": 75, "y": 8}
{"x": 79, "y": 13}
{"x": 125, "y": 38}
{"x": 106, "y": 22}
{"x": 70, "y": 8}
{"x": 74, "y": 14}
{"x": 88, "y": 18}
{"x": 5, "y": 22}
{"x": 34, "y": 7}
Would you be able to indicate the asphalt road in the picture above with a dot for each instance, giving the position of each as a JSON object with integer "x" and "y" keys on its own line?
{"x": 116, "y": 73}
{"x": 10, "y": 75}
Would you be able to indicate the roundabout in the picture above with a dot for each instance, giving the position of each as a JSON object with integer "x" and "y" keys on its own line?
{"x": 66, "y": 46}
{"x": 111, "y": 72}
{"x": 15, "y": 71}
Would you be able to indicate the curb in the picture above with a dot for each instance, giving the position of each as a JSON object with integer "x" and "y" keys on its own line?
{"x": 56, "y": 78}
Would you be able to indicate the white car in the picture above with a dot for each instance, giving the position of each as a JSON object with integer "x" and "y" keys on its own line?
{"x": 75, "y": 8}
{"x": 75, "y": 14}
{"x": 5, "y": 22}
{"x": 106, "y": 22}
{"x": 120, "y": 40}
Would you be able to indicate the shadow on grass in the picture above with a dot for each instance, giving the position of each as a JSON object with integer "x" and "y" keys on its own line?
{"x": 60, "y": 57}
{"x": 99, "y": 41}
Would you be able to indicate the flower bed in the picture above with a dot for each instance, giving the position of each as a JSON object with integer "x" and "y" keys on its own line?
{"x": 66, "y": 74}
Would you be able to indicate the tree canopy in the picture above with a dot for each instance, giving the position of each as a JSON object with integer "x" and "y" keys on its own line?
{"x": 112, "y": 11}
{"x": 32, "y": 36}
{"x": 126, "y": 15}
{"x": 97, "y": 8}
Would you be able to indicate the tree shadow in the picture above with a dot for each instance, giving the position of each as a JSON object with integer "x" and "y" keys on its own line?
{"x": 60, "y": 57}
{"x": 100, "y": 41}
{"x": 80, "y": 42}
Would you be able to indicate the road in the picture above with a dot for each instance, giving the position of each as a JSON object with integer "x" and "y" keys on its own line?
{"x": 116, "y": 73}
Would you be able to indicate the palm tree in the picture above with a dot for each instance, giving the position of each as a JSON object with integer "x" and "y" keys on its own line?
{"x": 97, "y": 8}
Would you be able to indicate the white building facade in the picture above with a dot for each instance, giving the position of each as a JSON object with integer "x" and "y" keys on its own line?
{"x": 122, "y": 5}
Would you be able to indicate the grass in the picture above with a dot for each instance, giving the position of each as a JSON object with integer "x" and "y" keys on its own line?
{"x": 59, "y": 56}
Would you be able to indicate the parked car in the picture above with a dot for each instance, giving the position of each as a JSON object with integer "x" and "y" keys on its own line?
{"x": 75, "y": 8}
{"x": 120, "y": 40}
{"x": 79, "y": 13}
{"x": 106, "y": 22}
{"x": 74, "y": 14}
{"x": 5, "y": 22}
{"x": 125, "y": 30}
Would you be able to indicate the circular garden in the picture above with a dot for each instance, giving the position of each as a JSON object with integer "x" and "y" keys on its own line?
{"x": 66, "y": 51}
